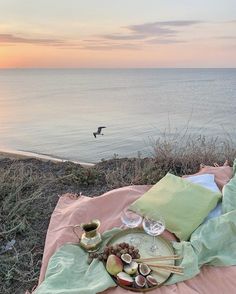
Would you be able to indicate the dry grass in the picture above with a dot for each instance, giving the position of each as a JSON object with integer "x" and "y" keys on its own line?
{"x": 178, "y": 154}
{"x": 184, "y": 154}
{"x": 19, "y": 189}
{"x": 29, "y": 191}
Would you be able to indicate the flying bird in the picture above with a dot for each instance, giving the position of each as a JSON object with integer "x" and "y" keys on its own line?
{"x": 98, "y": 131}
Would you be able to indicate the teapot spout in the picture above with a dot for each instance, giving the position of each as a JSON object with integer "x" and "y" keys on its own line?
{"x": 97, "y": 222}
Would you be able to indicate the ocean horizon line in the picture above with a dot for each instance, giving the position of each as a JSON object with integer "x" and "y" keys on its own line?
{"x": 111, "y": 68}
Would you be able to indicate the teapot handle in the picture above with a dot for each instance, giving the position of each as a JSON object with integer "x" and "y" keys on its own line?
{"x": 75, "y": 231}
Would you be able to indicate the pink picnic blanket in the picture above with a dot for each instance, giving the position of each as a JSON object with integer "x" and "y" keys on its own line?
{"x": 71, "y": 210}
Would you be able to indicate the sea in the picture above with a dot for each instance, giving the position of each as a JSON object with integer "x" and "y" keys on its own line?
{"x": 54, "y": 112}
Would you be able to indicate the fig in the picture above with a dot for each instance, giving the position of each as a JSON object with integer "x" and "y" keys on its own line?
{"x": 151, "y": 281}
{"x": 140, "y": 281}
{"x": 144, "y": 270}
{"x": 131, "y": 268}
{"x": 126, "y": 258}
{"x": 114, "y": 265}
{"x": 124, "y": 279}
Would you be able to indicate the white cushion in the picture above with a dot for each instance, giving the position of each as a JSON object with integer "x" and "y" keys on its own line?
{"x": 208, "y": 181}
{"x": 205, "y": 180}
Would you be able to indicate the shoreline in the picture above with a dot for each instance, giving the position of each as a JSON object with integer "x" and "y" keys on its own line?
{"x": 16, "y": 154}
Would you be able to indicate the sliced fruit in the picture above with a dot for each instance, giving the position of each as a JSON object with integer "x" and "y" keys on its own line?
{"x": 140, "y": 281}
{"x": 127, "y": 258}
{"x": 124, "y": 279}
{"x": 144, "y": 269}
{"x": 151, "y": 281}
{"x": 131, "y": 268}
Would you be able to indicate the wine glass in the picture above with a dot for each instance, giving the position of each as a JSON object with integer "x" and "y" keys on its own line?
{"x": 131, "y": 220}
{"x": 153, "y": 225}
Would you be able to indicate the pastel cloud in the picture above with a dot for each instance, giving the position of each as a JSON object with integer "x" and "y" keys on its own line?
{"x": 124, "y": 36}
{"x": 159, "y": 29}
{"x": 13, "y": 39}
{"x": 111, "y": 46}
{"x": 165, "y": 41}
{"x": 131, "y": 37}
{"x": 162, "y": 27}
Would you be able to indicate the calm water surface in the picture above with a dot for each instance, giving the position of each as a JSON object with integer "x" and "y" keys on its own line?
{"x": 55, "y": 112}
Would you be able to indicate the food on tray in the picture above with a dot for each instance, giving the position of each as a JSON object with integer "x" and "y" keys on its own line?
{"x": 123, "y": 262}
{"x": 151, "y": 281}
{"x": 140, "y": 281}
{"x": 114, "y": 265}
{"x": 127, "y": 258}
{"x": 125, "y": 279}
{"x": 122, "y": 250}
{"x": 131, "y": 268}
{"x": 144, "y": 269}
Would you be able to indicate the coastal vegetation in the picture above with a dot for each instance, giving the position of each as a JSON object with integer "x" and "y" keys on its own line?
{"x": 29, "y": 191}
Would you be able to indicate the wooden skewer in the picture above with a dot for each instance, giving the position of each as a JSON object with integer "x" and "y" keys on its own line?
{"x": 168, "y": 270}
{"x": 157, "y": 258}
{"x": 166, "y": 266}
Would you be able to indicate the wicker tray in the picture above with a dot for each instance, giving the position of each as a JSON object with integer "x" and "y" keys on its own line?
{"x": 164, "y": 248}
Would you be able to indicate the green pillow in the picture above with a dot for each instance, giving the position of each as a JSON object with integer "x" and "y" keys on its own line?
{"x": 183, "y": 205}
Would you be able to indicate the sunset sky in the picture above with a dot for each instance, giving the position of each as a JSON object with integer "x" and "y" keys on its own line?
{"x": 124, "y": 33}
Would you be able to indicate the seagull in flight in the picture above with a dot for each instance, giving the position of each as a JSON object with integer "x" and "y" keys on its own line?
{"x": 98, "y": 131}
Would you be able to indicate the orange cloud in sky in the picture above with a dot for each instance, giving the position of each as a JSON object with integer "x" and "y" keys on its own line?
{"x": 111, "y": 34}
{"x": 166, "y": 55}
{"x": 182, "y": 43}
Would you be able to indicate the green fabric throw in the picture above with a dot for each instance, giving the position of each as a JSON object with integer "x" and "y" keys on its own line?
{"x": 69, "y": 272}
{"x": 212, "y": 243}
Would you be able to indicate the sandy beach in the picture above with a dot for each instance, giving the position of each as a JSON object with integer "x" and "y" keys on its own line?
{"x": 14, "y": 154}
